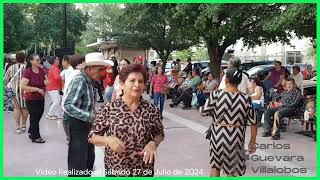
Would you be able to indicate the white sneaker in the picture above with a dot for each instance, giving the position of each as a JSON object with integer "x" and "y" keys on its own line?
{"x": 18, "y": 131}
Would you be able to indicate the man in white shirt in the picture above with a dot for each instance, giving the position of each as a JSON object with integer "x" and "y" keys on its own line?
{"x": 297, "y": 76}
{"x": 72, "y": 66}
{"x": 245, "y": 82}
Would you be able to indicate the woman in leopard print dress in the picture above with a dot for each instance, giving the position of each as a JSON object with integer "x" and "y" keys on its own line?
{"x": 132, "y": 126}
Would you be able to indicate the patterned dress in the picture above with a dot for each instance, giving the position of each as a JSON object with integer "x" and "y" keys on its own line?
{"x": 135, "y": 129}
{"x": 227, "y": 143}
{"x": 19, "y": 102}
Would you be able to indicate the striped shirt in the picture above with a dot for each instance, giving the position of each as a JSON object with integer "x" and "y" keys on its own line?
{"x": 12, "y": 70}
{"x": 79, "y": 102}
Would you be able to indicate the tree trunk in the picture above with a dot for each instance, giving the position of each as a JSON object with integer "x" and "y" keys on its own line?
{"x": 164, "y": 57}
{"x": 215, "y": 55}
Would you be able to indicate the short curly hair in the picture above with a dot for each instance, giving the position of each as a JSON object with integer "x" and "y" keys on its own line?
{"x": 132, "y": 68}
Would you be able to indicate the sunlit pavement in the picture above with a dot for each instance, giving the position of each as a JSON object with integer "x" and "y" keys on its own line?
{"x": 183, "y": 153}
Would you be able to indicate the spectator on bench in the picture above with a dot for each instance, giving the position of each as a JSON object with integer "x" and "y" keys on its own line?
{"x": 185, "y": 94}
{"x": 207, "y": 86}
{"x": 289, "y": 101}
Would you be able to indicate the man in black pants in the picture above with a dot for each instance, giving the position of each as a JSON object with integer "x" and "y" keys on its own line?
{"x": 79, "y": 108}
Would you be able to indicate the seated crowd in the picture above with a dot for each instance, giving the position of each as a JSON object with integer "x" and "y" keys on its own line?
{"x": 189, "y": 88}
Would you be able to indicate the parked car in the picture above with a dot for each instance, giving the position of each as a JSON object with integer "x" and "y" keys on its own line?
{"x": 204, "y": 72}
{"x": 260, "y": 71}
{"x": 263, "y": 70}
{"x": 169, "y": 67}
{"x": 248, "y": 65}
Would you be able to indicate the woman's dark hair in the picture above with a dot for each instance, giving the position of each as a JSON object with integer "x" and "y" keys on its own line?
{"x": 51, "y": 59}
{"x": 234, "y": 76}
{"x": 154, "y": 63}
{"x": 132, "y": 68}
{"x": 66, "y": 58}
{"x": 211, "y": 74}
{"x": 31, "y": 57}
{"x": 75, "y": 60}
{"x": 257, "y": 81}
{"x": 126, "y": 60}
{"x": 157, "y": 70}
{"x": 20, "y": 57}
{"x": 294, "y": 67}
{"x": 197, "y": 71}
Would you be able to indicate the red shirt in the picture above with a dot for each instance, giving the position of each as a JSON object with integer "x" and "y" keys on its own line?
{"x": 158, "y": 82}
{"x": 109, "y": 77}
{"x": 35, "y": 80}
{"x": 54, "y": 78}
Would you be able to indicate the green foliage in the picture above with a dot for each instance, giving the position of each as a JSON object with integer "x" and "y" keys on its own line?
{"x": 17, "y": 28}
{"x": 201, "y": 54}
{"x": 26, "y": 24}
{"x": 221, "y": 25}
{"x": 298, "y": 18}
{"x": 153, "y": 26}
{"x": 184, "y": 54}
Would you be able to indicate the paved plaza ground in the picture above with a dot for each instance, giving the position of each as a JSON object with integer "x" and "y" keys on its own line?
{"x": 183, "y": 153}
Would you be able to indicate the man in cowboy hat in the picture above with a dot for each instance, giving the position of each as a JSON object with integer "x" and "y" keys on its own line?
{"x": 79, "y": 106}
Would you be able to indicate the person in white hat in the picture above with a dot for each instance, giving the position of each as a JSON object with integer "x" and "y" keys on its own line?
{"x": 79, "y": 107}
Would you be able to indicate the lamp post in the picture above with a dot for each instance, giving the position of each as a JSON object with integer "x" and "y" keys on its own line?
{"x": 65, "y": 25}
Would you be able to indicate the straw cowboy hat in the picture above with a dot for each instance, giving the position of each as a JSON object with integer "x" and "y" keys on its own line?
{"x": 96, "y": 59}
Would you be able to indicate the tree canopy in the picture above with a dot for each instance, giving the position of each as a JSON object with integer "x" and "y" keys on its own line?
{"x": 153, "y": 26}
{"x": 221, "y": 25}
{"x": 26, "y": 24}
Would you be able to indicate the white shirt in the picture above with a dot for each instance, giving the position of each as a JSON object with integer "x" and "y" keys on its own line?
{"x": 261, "y": 100}
{"x": 243, "y": 86}
{"x": 69, "y": 74}
{"x": 298, "y": 79}
{"x": 65, "y": 75}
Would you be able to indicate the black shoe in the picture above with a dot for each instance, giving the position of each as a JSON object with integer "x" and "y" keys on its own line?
{"x": 275, "y": 137}
{"x": 101, "y": 101}
{"x": 266, "y": 134}
{"x": 171, "y": 105}
{"x": 186, "y": 108}
{"x": 39, "y": 140}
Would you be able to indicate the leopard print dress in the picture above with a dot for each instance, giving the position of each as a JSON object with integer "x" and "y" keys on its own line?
{"x": 135, "y": 129}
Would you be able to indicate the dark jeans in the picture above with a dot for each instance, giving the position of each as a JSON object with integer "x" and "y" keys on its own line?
{"x": 100, "y": 89}
{"x": 183, "y": 95}
{"x": 202, "y": 98}
{"x": 80, "y": 153}
{"x": 66, "y": 126}
{"x": 158, "y": 97}
{"x": 278, "y": 114}
{"x": 35, "y": 108}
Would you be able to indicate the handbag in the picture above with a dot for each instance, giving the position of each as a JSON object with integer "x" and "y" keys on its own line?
{"x": 194, "y": 101}
{"x": 164, "y": 90}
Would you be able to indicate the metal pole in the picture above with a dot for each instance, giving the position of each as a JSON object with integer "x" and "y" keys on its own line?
{"x": 65, "y": 25}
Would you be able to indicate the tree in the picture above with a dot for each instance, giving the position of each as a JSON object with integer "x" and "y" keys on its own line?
{"x": 184, "y": 54}
{"x": 221, "y": 25}
{"x": 298, "y": 18}
{"x": 201, "y": 54}
{"x": 152, "y": 26}
{"x": 48, "y": 23}
{"x": 17, "y": 28}
{"x": 101, "y": 17}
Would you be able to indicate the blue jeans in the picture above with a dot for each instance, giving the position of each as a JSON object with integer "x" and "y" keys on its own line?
{"x": 109, "y": 91}
{"x": 159, "y": 97}
{"x": 256, "y": 106}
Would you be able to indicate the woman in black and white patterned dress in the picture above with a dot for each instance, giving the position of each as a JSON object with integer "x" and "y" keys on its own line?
{"x": 231, "y": 112}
